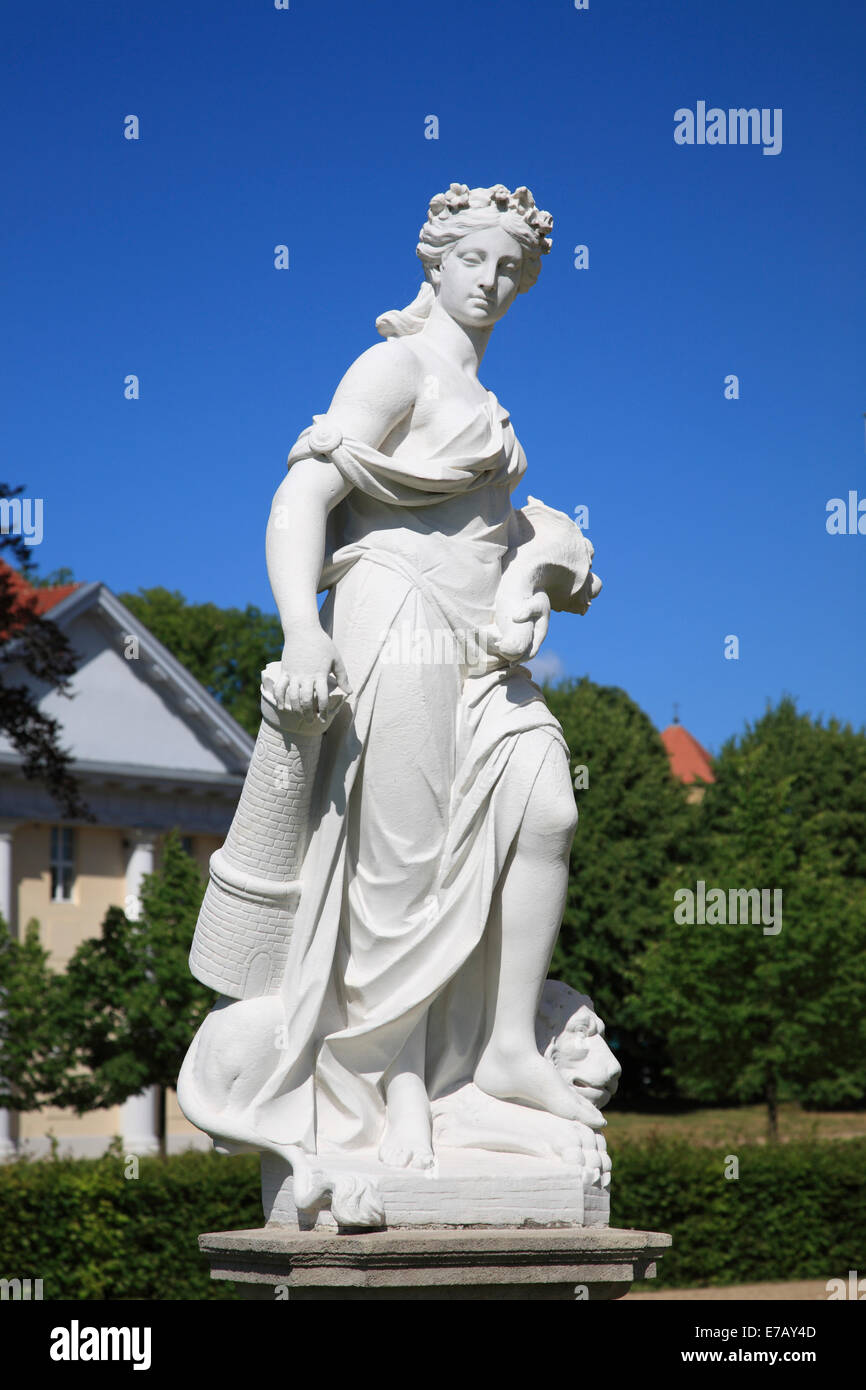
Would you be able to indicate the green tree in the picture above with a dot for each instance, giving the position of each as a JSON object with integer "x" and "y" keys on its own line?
{"x": 33, "y": 645}
{"x": 826, "y": 798}
{"x": 131, "y": 1004}
{"x": 633, "y": 824}
{"x": 226, "y": 649}
{"x": 32, "y": 1056}
{"x": 53, "y": 580}
{"x": 752, "y": 1014}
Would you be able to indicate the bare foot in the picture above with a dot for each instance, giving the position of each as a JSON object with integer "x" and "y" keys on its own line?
{"x": 407, "y": 1142}
{"x": 401, "y": 1150}
{"x": 530, "y": 1079}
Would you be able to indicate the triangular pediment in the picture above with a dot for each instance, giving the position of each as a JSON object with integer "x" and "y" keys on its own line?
{"x": 133, "y": 704}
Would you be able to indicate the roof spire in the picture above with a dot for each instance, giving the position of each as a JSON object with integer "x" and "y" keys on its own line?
{"x": 676, "y": 712}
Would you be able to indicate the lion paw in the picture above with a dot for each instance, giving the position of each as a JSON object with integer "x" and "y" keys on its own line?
{"x": 357, "y": 1202}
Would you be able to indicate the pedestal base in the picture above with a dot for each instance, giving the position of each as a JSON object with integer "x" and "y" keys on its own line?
{"x": 575, "y": 1263}
{"x": 464, "y": 1189}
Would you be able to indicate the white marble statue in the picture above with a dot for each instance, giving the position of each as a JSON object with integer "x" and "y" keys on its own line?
{"x": 381, "y": 919}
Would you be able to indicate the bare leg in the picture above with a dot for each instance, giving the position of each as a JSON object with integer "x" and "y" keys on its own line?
{"x": 522, "y": 936}
{"x": 407, "y": 1142}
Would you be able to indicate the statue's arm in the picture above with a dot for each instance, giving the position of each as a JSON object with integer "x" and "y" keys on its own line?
{"x": 378, "y": 390}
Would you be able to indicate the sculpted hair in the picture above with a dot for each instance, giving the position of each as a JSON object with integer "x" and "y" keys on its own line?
{"x": 455, "y": 214}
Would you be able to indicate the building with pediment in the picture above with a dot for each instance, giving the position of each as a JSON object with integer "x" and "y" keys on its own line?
{"x": 153, "y": 751}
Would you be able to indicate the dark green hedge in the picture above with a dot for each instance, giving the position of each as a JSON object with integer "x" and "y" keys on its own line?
{"x": 797, "y": 1211}
{"x": 90, "y": 1233}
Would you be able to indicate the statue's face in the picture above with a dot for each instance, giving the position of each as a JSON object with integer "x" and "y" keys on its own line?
{"x": 581, "y": 1055}
{"x": 479, "y": 277}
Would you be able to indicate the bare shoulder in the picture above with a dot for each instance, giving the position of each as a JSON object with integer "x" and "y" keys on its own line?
{"x": 390, "y": 361}
{"x": 380, "y": 387}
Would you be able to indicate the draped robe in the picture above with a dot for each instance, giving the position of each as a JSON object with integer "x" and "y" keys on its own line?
{"x": 420, "y": 790}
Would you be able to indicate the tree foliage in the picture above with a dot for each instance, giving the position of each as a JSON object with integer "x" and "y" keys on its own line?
{"x": 633, "y": 823}
{"x": 32, "y": 1021}
{"x": 131, "y": 1004}
{"x": 54, "y": 579}
{"x": 35, "y": 644}
{"x": 750, "y": 1014}
{"x": 826, "y": 767}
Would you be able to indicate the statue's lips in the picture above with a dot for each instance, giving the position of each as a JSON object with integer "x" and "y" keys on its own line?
{"x": 599, "y": 1095}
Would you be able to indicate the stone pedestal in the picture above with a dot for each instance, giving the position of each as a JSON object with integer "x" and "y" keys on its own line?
{"x": 465, "y": 1189}
{"x": 571, "y": 1263}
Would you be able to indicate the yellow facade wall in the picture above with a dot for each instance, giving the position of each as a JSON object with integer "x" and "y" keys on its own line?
{"x": 67, "y": 1127}
{"x": 100, "y": 883}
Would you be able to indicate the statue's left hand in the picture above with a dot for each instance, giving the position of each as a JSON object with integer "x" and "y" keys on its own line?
{"x": 310, "y": 662}
{"x": 523, "y": 630}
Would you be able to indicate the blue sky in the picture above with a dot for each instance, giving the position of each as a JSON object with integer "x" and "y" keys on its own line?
{"x": 306, "y": 127}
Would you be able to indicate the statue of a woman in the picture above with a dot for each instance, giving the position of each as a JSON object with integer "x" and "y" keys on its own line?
{"x": 441, "y": 812}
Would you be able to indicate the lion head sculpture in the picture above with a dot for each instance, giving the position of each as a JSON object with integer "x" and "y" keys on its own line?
{"x": 570, "y": 1033}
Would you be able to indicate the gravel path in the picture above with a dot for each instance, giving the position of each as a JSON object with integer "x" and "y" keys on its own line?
{"x": 801, "y": 1290}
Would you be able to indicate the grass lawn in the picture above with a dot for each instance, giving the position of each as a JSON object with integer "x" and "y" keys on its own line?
{"x": 735, "y": 1124}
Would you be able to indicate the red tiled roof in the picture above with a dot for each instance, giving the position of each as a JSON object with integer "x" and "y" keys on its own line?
{"x": 42, "y": 599}
{"x": 689, "y": 761}
{"x": 49, "y": 598}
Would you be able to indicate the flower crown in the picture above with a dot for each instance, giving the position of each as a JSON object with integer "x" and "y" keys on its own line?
{"x": 459, "y": 197}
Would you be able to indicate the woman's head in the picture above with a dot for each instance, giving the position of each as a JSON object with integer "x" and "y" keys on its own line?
{"x": 501, "y": 238}
{"x": 462, "y": 211}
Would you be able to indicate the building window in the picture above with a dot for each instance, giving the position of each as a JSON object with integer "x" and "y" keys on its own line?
{"x": 186, "y": 845}
{"x": 62, "y": 863}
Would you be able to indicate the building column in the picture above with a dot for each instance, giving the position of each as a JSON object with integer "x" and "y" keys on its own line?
{"x": 141, "y": 860}
{"x": 139, "y": 1116}
{"x": 8, "y": 1146}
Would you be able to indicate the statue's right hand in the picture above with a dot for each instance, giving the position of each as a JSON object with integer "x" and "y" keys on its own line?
{"x": 309, "y": 659}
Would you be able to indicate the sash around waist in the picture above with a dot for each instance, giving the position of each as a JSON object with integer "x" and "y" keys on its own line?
{"x": 473, "y": 635}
